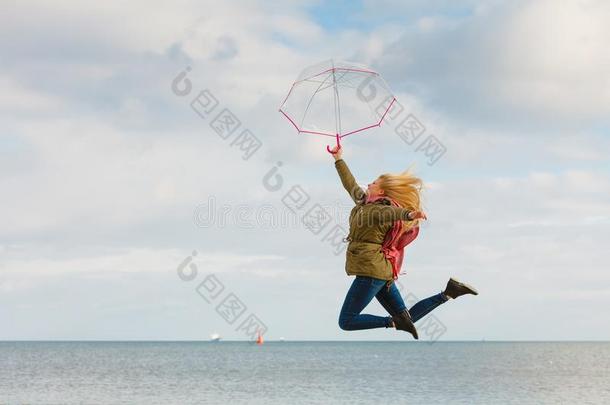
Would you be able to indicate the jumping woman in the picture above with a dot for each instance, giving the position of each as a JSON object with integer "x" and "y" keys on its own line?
{"x": 385, "y": 219}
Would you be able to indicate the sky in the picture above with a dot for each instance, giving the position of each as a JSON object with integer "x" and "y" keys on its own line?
{"x": 111, "y": 180}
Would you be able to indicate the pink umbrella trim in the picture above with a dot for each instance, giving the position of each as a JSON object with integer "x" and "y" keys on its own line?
{"x": 340, "y": 136}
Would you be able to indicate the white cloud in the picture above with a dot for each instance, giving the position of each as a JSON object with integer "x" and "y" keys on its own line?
{"x": 16, "y": 98}
{"x": 109, "y": 154}
{"x": 20, "y": 270}
{"x": 92, "y": 174}
{"x": 529, "y": 62}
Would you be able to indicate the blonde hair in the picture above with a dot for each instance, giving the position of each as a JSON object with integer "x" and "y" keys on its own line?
{"x": 406, "y": 189}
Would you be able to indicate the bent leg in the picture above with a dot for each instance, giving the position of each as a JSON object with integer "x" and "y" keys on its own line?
{"x": 361, "y": 292}
{"x": 391, "y": 300}
{"x": 423, "y": 307}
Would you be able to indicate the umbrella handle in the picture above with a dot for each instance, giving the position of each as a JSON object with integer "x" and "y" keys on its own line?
{"x": 338, "y": 144}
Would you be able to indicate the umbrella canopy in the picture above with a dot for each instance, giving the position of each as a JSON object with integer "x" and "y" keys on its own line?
{"x": 337, "y": 99}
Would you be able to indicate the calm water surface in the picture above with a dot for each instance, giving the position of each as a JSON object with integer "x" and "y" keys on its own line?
{"x": 304, "y": 373}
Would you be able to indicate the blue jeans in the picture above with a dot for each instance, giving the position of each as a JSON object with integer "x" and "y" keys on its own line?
{"x": 362, "y": 291}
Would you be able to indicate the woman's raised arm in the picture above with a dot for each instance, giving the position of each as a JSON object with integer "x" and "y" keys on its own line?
{"x": 347, "y": 179}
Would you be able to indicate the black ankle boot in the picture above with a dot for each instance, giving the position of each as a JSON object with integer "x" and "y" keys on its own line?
{"x": 403, "y": 321}
{"x": 454, "y": 289}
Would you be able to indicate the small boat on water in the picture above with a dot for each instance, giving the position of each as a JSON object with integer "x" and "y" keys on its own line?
{"x": 259, "y": 339}
{"x": 215, "y": 337}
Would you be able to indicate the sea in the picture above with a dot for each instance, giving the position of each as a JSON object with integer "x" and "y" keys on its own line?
{"x": 304, "y": 372}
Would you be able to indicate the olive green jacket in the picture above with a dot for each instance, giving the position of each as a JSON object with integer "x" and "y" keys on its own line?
{"x": 368, "y": 225}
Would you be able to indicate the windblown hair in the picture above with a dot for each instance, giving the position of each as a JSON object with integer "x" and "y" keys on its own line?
{"x": 406, "y": 189}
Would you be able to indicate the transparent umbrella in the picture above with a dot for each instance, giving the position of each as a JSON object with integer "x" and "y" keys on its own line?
{"x": 338, "y": 99}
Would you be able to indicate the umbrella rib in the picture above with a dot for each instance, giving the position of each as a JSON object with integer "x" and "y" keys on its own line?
{"x": 335, "y": 96}
{"x": 319, "y": 89}
{"x": 350, "y": 78}
{"x": 338, "y": 107}
{"x": 343, "y": 74}
{"x": 311, "y": 99}
{"x": 324, "y": 88}
{"x": 338, "y": 68}
{"x": 315, "y": 81}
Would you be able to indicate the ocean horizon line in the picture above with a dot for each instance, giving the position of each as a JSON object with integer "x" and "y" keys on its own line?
{"x": 288, "y": 341}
